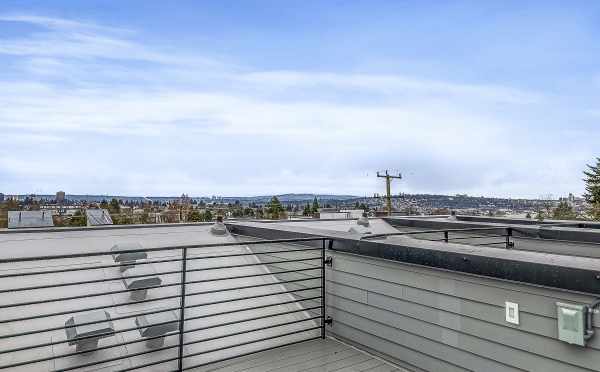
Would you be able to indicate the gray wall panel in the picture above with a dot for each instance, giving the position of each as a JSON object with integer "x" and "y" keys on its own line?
{"x": 531, "y": 299}
{"x": 533, "y": 323}
{"x": 410, "y": 358}
{"x": 435, "y": 349}
{"x": 453, "y": 330}
{"x": 451, "y": 317}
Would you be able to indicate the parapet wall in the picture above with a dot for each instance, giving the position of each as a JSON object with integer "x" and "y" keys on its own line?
{"x": 428, "y": 317}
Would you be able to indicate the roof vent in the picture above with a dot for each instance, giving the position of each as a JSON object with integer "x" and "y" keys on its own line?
{"x": 362, "y": 226}
{"x": 219, "y": 227}
{"x": 363, "y": 220}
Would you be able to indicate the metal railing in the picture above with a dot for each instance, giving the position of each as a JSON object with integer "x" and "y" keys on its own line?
{"x": 460, "y": 235}
{"x": 225, "y": 300}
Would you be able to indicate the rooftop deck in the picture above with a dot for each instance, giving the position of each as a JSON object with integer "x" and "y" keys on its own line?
{"x": 257, "y": 299}
{"x": 236, "y": 299}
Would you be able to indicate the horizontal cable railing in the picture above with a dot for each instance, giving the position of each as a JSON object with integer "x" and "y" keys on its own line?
{"x": 459, "y": 235}
{"x": 190, "y": 308}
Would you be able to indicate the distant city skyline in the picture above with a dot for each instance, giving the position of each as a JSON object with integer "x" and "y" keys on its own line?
{"x": 267, "y": 197}
{"x": 148, "y": 98}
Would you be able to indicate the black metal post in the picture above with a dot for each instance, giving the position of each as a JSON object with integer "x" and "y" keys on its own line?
{"x": 446, "y": 236}
{"x": 323, "y": 291}
{"x": 509, "y": 244}
{"x": 182, "y": 308}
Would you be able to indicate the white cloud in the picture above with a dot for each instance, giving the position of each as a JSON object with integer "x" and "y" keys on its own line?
{"x": 84, "y": 40}
{"x": 57, "y": 23}
{"x": 276, "y": 131}
{"x": 394, "y": 84}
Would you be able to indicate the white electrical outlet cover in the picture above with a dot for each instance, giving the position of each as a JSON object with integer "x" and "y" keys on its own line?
{"x": 512, "y": 312}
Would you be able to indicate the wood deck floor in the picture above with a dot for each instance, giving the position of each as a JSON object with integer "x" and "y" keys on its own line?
{"x": 311, "y": 356}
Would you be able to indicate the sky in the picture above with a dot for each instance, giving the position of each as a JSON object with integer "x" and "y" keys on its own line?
{"x": 241, "y": 98}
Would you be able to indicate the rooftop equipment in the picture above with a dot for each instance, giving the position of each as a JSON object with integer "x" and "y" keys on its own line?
{"x": 575, "y": 322}
{"x": 152, "y": 326}
{"x": 86, "y": 336}
{"x": 128, "y": 259}
{"x": 142, "y": 277}
{"x": 362, "y": 226}
{"x": 219, "y": 227}
{"x": 363, "y": 220}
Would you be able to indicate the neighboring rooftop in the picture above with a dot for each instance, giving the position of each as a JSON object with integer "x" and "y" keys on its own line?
{"x": 98, "y": 217}
{"x": 26, "y": 219}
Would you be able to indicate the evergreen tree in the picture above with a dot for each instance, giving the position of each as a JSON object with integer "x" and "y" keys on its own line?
{"x": 315, "y": 205}
{"x": 248, "y": 212}
{"x": 592, "y": 188}
{"x": 275, "y": 208}
{"x": 78, "y": 219}
{"x": 307, "y": 210}
{"x": 125, "y": 220}
{"x": 592, "y": 183}
{"x": 564, "y": 212}
{"x": 114, "y": 206}
{"x": 194, "y": 216}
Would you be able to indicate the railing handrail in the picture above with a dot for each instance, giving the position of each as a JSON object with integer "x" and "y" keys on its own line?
{"x": 373, "y": 236}
{"x": 158, "y": 249}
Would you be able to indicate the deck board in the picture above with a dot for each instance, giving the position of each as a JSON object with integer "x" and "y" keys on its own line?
{"x": 312, "y": 356}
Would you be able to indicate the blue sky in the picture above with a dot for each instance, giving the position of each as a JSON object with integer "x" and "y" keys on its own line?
{"x": 263, "y": 97}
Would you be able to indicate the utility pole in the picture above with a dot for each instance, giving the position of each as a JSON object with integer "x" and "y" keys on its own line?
{"x": 388, "y": 187}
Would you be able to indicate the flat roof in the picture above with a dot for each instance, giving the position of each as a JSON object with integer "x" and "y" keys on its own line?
{"x": 552, "y": 268}
{"x": 27, "y": 219}
{"x": 263, "y": 300}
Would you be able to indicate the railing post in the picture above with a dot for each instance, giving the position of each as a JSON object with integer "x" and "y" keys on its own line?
{"x": 446, "y": 236}
{"x": 323, "y": 289}
{"x": 182, "y": 308}
{"x": 509, "y": 244}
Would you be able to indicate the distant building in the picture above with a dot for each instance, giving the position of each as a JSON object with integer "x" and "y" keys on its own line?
{"x": 1, "y": 197}
{"x": 60, "y": 197}
{"x": 25, "y": 219}
{"x": 97, "y": 217}
{"x": 353, "y": 213}
{"x": 332, "y": 214}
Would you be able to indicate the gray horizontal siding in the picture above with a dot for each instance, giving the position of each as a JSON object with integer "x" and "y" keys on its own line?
{"x": 531, "y": 299}
{"x": 434, "y": 348}
{"x": 451, "y": 318}
{"x": 408, "y": 357}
